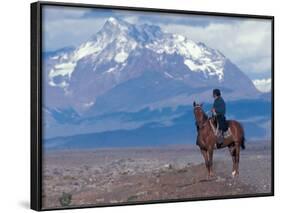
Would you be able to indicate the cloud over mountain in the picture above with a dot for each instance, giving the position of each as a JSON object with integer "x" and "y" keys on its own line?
{"x": 264, "y": 85}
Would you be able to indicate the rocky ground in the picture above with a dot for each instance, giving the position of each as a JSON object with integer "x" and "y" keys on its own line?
{"x": 108, "y": 176}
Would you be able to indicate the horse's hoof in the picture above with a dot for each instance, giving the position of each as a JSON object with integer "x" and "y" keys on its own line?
{"x": 210, "y": 176}
{"x": 234, "y": 174}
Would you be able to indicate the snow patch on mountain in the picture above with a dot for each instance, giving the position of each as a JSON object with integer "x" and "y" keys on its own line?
{"x": 168, "y": 75}
{"x": 86, "y": 49}
{"x": 67, "y": 63}
{"x": 121, "y": 57}
{"x": 89, "y": 104}
{"x": 111, "y": 69}
{"x": 197, "y": 57}
{"x": 62, "y": 69}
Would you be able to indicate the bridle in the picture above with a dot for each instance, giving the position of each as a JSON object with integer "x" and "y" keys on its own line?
{"x": 203, "y": 123}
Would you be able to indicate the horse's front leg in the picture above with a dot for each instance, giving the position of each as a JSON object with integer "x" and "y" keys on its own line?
{"x": 210, "y": 160}
{"x": 204, "y": 153}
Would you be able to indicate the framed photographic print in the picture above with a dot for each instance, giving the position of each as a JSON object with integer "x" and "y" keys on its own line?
{"x": 143, "y": 105}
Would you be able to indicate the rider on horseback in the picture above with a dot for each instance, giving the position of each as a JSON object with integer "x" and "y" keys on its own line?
{"x": 218, "y": 111}
{"x": 207, "y": 139}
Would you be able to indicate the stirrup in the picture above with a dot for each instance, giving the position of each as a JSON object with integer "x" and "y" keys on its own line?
{"x": 219, "y": 145}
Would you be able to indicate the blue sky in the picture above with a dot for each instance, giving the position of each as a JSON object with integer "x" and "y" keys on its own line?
{"x": 247, "y": 42}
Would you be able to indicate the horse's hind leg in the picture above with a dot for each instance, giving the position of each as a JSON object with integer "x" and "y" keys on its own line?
{"x": 235, "y": 154}
{"x": 237, "y": 158}
{"x": 232, "y": 153}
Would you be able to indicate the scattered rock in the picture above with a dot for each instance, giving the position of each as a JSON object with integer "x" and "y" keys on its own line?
{"x": 141, "y": 193}
{"x": 182, "y": 170}
{"x": 167, "y": 166}
{"x": 65, "y": 199}
{"x": 100, "y": 199}
{"x": 132, "y": 198}
{"x": 220, "y": 179}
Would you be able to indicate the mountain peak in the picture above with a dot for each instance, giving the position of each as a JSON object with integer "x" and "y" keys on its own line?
{"x": 115, "y": 26}
{"x": 114, "y": 22}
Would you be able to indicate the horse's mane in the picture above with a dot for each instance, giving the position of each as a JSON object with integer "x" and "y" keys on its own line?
{"x": 205, "y": 116}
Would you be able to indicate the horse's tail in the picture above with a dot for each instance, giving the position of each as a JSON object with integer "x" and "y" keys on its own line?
{"x": 243, "y": 137}
{"x": 243, "y": 142}
{"x": 242, "y": 133}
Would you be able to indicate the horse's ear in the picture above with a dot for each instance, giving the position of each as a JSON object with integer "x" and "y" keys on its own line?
{"x": 194, "y": 103}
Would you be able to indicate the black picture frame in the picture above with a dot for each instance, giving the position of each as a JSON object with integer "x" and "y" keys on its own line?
{"x": 36, "y": 98}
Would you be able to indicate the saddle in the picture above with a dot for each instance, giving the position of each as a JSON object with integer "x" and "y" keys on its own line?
{"x": 215, "y": 127}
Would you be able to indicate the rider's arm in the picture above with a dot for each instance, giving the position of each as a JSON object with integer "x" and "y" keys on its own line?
{"x": 219, "y": 106}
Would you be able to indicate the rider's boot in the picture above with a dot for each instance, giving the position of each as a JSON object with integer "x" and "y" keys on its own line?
{"x": 220, "y": 139}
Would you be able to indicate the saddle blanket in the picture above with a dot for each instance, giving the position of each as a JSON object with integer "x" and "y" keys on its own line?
{"x": 226, "y": 134}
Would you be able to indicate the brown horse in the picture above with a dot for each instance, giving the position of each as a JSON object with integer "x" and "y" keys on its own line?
{"x": 206, "y": 140}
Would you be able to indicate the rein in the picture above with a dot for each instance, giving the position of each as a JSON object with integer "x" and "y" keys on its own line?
{"x": 202, "y": 124}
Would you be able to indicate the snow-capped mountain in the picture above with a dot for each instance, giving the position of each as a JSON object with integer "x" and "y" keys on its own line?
{"x": 123, "y": 38}
{"x": 122, "y": 61}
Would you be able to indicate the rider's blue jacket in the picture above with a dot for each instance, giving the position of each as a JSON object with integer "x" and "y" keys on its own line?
{"x": 219, "y": 106}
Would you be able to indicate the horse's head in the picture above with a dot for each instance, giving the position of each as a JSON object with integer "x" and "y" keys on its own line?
{"x": 199, "y": 114}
